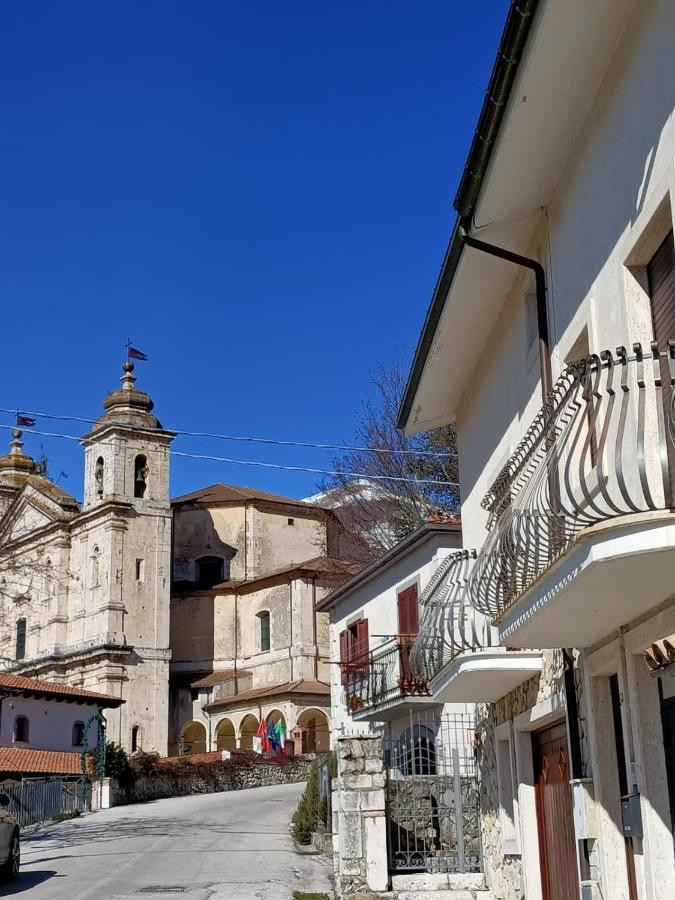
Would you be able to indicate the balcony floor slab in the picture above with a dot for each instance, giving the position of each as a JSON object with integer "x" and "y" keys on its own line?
{"x": 613, "y": 573}
{"x": 484, "y": 676}
{"x": 394, "y": 709}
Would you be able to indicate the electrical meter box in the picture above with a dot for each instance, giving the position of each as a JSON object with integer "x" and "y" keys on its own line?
{"x": 631, "y": 815}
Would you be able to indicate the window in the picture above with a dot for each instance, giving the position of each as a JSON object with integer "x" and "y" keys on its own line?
{"x": 140, "y": 569}
{"x": 354, "y": 650}
{"x": 49, "y": 583}
{"x": 506, "y": 788}
{"x": 95, "y": 566}
{"x": 98, "y": 476}
{"x": 264, "y": 618}
{"x": 408, "y": 626}
{"x": 291, "y": 521}
{"x": 140, "y": 476}
{"x": 20, "y": 639}
{"x": 78, "y": 734}
{"x": 210, "y": 571}
{"x": 21, "y": 729}
{"x": 135, "y": 738}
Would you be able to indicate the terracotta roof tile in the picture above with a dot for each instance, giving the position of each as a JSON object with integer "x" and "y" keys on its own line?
{"x": 275, "y": 690}
{"x": 219, "y": 677}
{"x": 230, "y": 493}
{"x": 319, "y": 565}
{"x": 19, "y": 684}
{"x": 52, "y": 762}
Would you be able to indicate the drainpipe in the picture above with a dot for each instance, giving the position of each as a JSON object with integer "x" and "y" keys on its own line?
{"x": 540, "y": 286}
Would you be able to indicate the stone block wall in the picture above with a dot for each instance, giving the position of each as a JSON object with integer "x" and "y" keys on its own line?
{"x": 359, "y": 823}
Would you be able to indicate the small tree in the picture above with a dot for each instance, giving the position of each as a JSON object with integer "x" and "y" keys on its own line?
{"x": 406, "y": 479}
{"x": 306, "y": 817}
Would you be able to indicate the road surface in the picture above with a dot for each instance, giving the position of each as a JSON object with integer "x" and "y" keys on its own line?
{"x": 232, "y": 845}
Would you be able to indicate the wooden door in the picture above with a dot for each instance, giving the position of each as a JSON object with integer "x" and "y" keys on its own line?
{"x": 557, "y": 851}
{"x": 661, "y": 278}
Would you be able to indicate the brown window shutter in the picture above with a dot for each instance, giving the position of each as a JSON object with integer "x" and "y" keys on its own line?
{"x": 661, "y": 278}
{"x": 361, "y": 648}
{"x": 408, "y": 611}
{"x": 344, "y": 654}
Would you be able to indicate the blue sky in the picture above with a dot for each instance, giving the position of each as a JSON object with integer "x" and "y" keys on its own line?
{"x": 259, "y": 194}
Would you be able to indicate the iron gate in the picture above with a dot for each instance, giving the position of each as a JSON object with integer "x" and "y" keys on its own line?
{"x": 433, "y": 812}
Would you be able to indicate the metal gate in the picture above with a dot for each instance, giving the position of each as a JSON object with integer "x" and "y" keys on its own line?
{"x": 36, "y": 800}
{"x": 433, "y": 811}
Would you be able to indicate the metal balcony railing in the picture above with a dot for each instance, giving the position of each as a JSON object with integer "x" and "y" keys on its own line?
{"x": 449, "y": 625}
{"x": 382, "y": 677}
{"x": 600, "y": 447}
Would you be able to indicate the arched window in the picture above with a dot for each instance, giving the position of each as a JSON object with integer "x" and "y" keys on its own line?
{"x": 21, "y": 729}
{"x": 140, "y": 476}
{"x": 98, "y": 476}
{"x": 20, "y": 638}
{"x": 78, "y": 734}
{"x": 95, "y": 566}
{"x": 210, "y": 571}
{"x": 264, "y": 618}
{"x": 415, "y": 752}
{"x": 135, "y": 738}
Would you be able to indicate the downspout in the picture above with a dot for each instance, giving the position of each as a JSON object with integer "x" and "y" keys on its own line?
{"x": 236, "y": 645}
{"x": 542, "y": 310}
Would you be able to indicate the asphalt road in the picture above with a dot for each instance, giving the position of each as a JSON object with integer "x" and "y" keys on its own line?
{"x": 208, "y": 847}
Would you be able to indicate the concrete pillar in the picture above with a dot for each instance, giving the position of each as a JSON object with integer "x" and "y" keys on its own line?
{"x": 359, "y": 812}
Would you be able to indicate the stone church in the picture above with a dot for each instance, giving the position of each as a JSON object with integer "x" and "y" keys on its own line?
{"x": 199, "y": 614}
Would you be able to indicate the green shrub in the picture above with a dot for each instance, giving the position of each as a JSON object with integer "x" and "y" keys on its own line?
{"x": 306, "y": 816}
{"x": 117, "y": 764}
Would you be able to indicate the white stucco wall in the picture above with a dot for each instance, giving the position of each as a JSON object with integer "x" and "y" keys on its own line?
{"x": 50, "y": 723}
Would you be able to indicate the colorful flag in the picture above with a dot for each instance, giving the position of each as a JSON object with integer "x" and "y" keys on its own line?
{"x": 281, "y": 735}
{"x": 25, "y": 421}
{"x": 272, "y": 737}
{"x": 134, "y": 353}
{"x": 260, "y": 740}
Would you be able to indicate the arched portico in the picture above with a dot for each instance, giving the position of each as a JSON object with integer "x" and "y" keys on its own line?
{"x": 193, "y": 738}
{"x": 315, "y": 729}
{"x": 226, "y": 738}
{"x": 247, "y": 731}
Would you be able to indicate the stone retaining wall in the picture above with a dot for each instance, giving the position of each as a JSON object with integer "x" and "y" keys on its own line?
{"x": 235, "y": 778}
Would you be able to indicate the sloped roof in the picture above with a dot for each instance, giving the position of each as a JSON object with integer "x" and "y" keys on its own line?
{"x": 219, "y": 677}
{"x": 17, "y": 684}
{"x": 319, "y": 565}
{"x": 230, "y": 493}
{"x": 54, "y": 492}
{"x": 33, "y": 762}
{"x": 276, "y": 690}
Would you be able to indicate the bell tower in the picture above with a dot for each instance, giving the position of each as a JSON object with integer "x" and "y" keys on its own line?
{"x": 125, "y": 559}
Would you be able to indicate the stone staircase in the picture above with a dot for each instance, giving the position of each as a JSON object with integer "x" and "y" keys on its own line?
{"x": 440, "y": 887}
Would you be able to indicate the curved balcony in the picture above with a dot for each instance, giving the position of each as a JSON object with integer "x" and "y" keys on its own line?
{"x": 381, "y": 685}
{"x": 457, "y": 651}
{"x": 580, "y": 535}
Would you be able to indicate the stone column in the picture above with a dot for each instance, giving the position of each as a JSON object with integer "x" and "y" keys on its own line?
{"x": 359, "y": 813}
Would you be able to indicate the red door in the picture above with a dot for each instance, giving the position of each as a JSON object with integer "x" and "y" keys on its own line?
{"x": 408, "y": 626}
{"x": 557, "y": 852}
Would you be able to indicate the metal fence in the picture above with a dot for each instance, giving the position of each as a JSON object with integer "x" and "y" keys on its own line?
{"x": 432, "y": 797}
{"x": 39, "y": 800}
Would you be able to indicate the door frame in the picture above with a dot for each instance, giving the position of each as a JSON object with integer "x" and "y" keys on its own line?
{"x": 549, "y": 712}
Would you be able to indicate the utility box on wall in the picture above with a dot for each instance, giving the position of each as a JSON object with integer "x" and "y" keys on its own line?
{"x": 583, "y": 808}
{"x": 631, "y": 815}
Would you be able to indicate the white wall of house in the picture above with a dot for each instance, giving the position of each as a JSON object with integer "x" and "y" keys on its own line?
{"x": 376, "y": 600}
{"x": 50, "y": 723}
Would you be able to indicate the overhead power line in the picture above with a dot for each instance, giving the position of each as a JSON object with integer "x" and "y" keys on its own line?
{"x": 250, "y": 440}
{"x": 251, "y": 462}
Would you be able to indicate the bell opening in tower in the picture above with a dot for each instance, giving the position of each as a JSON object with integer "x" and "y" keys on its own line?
{"x": 140, "y": 476}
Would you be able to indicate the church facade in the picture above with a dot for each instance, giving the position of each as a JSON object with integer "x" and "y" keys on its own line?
{"x": 195, "y": 616}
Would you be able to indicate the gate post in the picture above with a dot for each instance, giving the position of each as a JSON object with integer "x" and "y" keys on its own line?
{"x": 360, "y": 827}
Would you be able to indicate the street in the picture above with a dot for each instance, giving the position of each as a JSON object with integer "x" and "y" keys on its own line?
{"x": 230, "y": 845}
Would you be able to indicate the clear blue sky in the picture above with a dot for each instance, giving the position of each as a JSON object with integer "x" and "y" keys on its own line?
{"x": 258, "y": 193}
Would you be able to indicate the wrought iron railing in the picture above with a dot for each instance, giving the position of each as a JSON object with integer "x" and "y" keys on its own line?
{"x": 598, "y": 449}
{"x": 383, "y": 676}
{"x": 449, "y": 625}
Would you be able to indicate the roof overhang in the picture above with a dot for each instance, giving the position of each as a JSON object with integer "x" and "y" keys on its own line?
{"x": 484, "y": 676}
{"x": 567, "y": 53}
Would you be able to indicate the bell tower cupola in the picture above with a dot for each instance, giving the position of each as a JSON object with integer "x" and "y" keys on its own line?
{"x": 127, "y": 451}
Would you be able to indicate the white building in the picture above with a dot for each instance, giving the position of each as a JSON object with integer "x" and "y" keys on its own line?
{"x": 45, "y": 728}
{"x": 564, "y": 251}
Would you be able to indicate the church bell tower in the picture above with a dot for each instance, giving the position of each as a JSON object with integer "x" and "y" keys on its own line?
{"x": 125, "y": 551}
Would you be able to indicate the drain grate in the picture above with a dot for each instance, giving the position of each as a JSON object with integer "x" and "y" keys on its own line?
{"x": 159, "y": 889}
